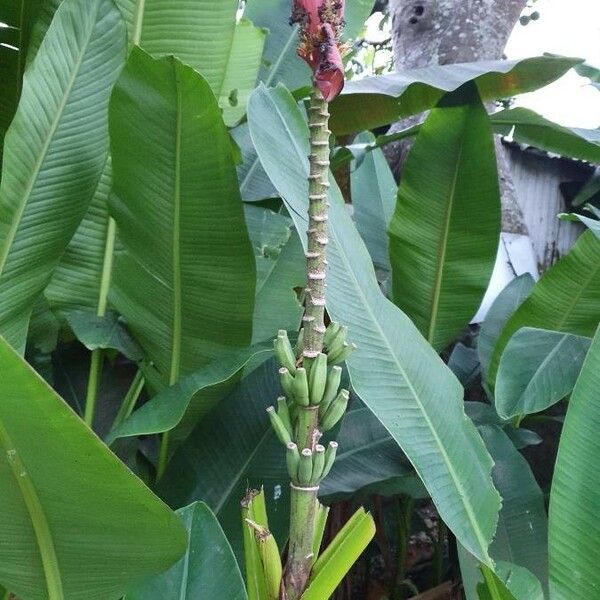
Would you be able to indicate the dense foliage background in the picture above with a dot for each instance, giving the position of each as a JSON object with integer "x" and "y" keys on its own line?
{"x": 152, "y": 221}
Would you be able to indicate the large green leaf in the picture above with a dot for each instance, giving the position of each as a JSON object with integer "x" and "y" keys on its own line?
{"x": 574, "y": 529}
{"x": 182, "y": 405}
{"x": 78, "y": 278}
{"x": 367, "y": 455}
{"x": 281, "y": 267}
{"x": 522, "y": 534}
{"x": 55, "y": 151}
{"x": 186, "y": 281}
{"x": 374, "y": 101}
{"x": 207, "y": 570}
{"x": 509, "y": 582}
{"x": 254, "y": 183}
{"x": 19, "y": 17}
{"x": 442, "y": 257}
{"x": 394, "y": 370}
{"x": 280, "y": 61}
{"x": 231, "y": 450}
{"x": 203, "y": 34}
{"x": 507, "y": 302}
{"x": 537, "y": 369}
{"x": 373, "y": 198}
{"x": 527, "y": 127}
{"x": 63, "y": 535}
{"x": 566, "y": 299}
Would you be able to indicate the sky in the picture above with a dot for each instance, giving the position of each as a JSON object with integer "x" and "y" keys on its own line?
{"x": 570, "y": 28}
{"x": 567, "y": 27}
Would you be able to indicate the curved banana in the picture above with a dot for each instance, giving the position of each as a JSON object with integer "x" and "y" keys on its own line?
{"x": 300, "y": 388}
{"x": 317, "y": 379}
{"x": 278, "y": 426}
{"x": 334, "y": 378}
{"x": 336, "y": 411}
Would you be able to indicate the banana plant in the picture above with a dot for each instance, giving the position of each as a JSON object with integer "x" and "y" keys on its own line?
{"x": 310, "y": 373}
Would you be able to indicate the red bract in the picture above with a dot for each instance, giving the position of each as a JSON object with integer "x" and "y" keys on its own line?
{"x": 321, "y": 22}
{"x": 329, "y": 74}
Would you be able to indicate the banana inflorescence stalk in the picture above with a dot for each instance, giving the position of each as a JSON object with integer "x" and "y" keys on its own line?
{"x": 310, "y": 375}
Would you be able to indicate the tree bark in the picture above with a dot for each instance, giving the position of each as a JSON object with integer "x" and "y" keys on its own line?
{"x": 442, "y": 32}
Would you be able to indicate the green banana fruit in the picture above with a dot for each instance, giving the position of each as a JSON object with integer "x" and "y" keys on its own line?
{"x": 305, "y": 467}
{"x": 284, "y": 351}
{"x": 317, "y": 379}
{"x": 278, "y": 426}
{"x": 283, "y": 411}
{"x": 287, "y": 382}
{"x": 342, "y": 355}
{"x": 330, "y": 332}
{"x": 270, "y": 559}
{"x": 292, "y": 457}
{"x": 338, "y": 340}
{"x": 301, "y": 391}
{"x": 334, "y": 378}
{"x": 336, "y": 411}
{"x": 318, "y": 464}
{"x": 330, "y": 455}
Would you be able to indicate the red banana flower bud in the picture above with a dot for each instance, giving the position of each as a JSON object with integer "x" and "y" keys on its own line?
{"x": 321, "y": 23}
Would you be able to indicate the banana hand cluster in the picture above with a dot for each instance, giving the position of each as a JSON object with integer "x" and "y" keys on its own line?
{"x": 310, "y": 385}
{"x": 308, "y": 468}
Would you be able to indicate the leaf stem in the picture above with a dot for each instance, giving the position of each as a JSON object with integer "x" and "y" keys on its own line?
{"x": 92, "y": 387}
{"x": 131, "y": 398}
{"x": 39, "y": 522}
{"x": 97, "y": 358}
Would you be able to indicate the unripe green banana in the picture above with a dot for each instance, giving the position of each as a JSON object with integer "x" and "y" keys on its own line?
{"x": 284, "y": 413}
{"x": 305, "y": 467}
{"x": 278, "y": 426}
{"x": 270, "y": 559}
{"x": 336, "y": 411}
{"x": 301, "y": 392}
{"x": 330, "y": 455}
{"x": 318, "y": 464}
{"x": 292, "y": 457}
{"x": 334, "y": 378}
{"x": 284, "y": 352}
{"x": 338, "y": 340}
{"x": 317, "y": 379}
{"x": 342, "y": 355}
{"x": 287, "y": 382}
{"x": 300, "y": 343}
{"x": 330, "y": 332}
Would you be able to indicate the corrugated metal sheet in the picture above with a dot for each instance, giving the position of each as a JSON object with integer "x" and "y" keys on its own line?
{"x": 537, "y": 178}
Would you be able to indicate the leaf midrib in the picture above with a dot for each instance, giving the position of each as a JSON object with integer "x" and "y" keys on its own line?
{"x": 282, "y": 56}
{"x": 443, "y": 247}
{"x": 176, "y": 249}
{"x": 138, "y": 24}
{"x": 453, "y": 475}
{"x": 42, "y": 156}
{"x": 36, "y": 513}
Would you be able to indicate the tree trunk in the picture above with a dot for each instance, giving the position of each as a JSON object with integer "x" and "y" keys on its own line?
{"x": 441, "y": 32}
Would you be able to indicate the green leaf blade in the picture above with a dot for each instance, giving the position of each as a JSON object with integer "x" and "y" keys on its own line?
{"x": 442, "y": 258}
{"x": 207, "y": 570}
{"x": 55, "y": 151}
{"x": 566, "y": 299}
{"x": 397, "y": 95}
{"x": 179, "y": 217}
{"x": 126, "y": 534}
{"x": 575, "y": 496}
{"x": 537, "y": 369}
